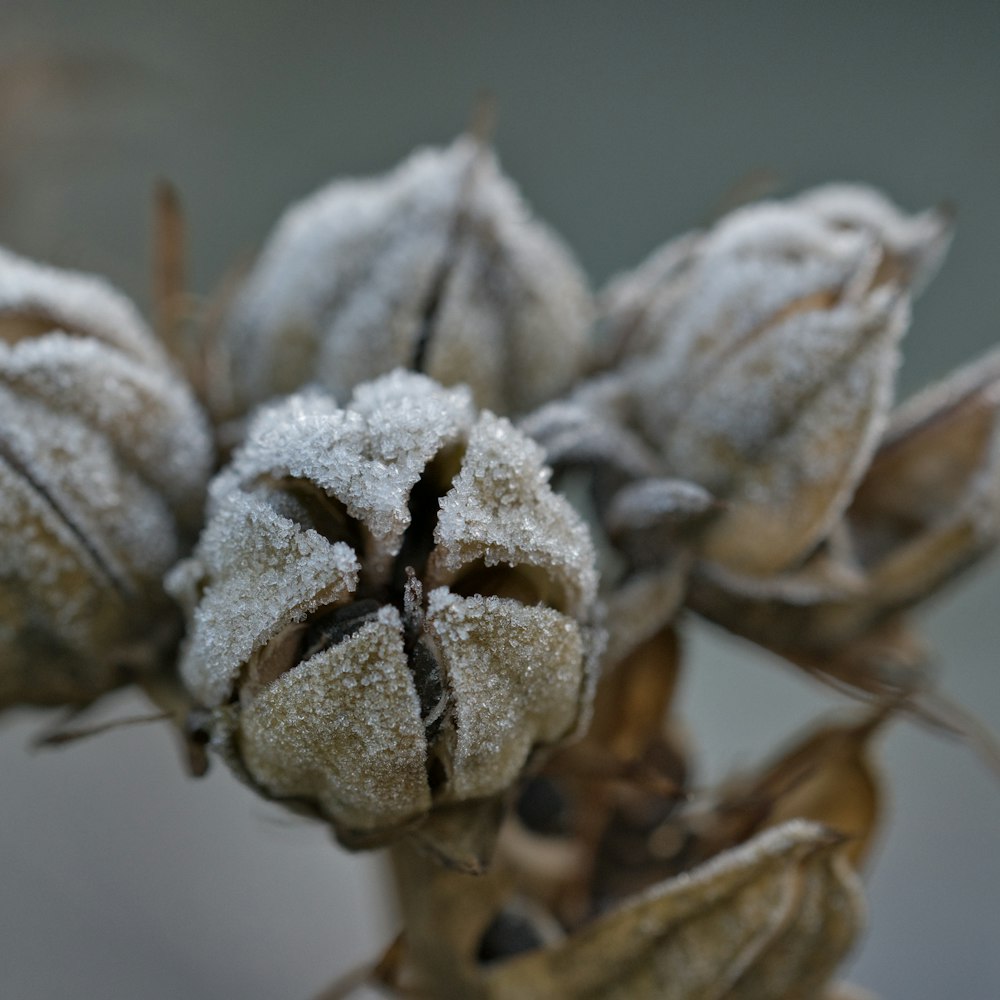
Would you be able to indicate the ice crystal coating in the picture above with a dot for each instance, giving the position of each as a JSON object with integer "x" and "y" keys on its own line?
{"x": 104, "y": 456}
{"x": 759, "y": 359}
{"x": 437, "y": 266}
{"x": 390, "y": 609}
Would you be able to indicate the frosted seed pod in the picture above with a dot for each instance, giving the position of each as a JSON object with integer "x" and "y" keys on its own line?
{"x": 768, "y": 350}
{"x": 436, "y": 266}
{"x": 104, "y": 456}
{"x": 927, "y": 509}
{"x": 389, "y": 609}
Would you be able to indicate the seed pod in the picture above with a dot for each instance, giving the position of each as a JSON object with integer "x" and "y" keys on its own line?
{"x": 437, "y": 266}
{"x": 766, "y": 351}
{"x": 389, "y": 610}
{"x": 770, "y": 918}
{"x": 104, "y": 457}
{"x": 927, "y": 508}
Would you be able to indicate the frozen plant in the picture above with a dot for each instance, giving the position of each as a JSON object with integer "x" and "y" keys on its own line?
{"x": 397, "y": 621}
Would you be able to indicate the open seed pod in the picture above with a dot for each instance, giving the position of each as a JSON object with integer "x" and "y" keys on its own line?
{"x": 390, "y": 613}
{"x": 436, "y": 266}
{"x": 104, "y": 456}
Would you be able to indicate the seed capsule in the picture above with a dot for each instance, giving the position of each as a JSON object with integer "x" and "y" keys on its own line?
{"x": 104, "y": 456}
{"x": 437, "y": 266}
{"x": 389, "y": 610}
{"x": 927, "y": 508}
{"x": 761, "y": 357}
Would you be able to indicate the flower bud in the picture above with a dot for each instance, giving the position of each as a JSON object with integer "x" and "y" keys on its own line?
{"x": 764, "y": 358}
{"x": 389, "y": 608}
{"x": 436, "y": 266}
{"x": 104, "y": 456}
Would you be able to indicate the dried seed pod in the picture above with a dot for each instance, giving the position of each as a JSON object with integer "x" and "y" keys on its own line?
{"x": 927, "y": 508}
{"x": 771, "y": 918}
{"x": 437, "y": 267}
{"x": 389, "y": 610}
{"x": 764, "y": 360}
{"x": 104, "y": 456}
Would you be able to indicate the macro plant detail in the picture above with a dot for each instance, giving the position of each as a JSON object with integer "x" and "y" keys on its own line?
{"x": 460, "y": 511}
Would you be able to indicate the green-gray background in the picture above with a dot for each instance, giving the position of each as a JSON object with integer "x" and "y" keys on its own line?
{"x": 624, "y": 123}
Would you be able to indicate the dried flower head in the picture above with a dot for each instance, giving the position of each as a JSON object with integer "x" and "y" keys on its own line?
{"x": 104, "y": 457}
{"x": 391, "y": 613}
{"x": 437, "y": 266}
{"x": 389, "y": 610}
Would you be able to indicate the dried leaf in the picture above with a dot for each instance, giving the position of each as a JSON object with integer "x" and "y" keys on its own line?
{"x": 634, "y": 696}
{"x": 929, "y": 505}
{"x": 827, "y": 778}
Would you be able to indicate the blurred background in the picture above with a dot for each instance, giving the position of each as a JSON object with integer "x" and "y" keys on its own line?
{"x": 624, "y": 124}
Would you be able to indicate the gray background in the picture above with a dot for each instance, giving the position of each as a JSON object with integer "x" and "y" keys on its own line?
{"x": 624, "y": 123}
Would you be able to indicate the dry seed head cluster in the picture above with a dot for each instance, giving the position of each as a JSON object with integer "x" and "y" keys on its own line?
{"x": 392, "y": 613}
